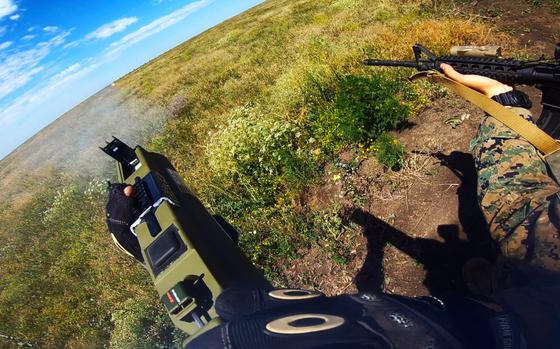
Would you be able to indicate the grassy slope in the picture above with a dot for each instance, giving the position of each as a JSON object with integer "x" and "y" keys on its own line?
{"x": 275, "y": 71}
{"x": 285, "y": 61}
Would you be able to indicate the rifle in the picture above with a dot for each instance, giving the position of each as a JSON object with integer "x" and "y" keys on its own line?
{"x": 543, "y": 74}
{"x": 192, "y": 256}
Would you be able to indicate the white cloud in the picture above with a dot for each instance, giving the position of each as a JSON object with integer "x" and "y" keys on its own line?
{"x": 72, "y": 44}
{"x": 50, "y": 28}
{"x": 109, "y": 29}
{"x": 156, "y": 26}
{"x": 71, "y": 69}
{"x": 15, "y": 17}
{"x": 7, "y": 7}
{"x": 30, "y": 99}
{"x": 30, "y": 29}
{"x": 28, "y": 37}
{"x": 59, "y": 39}
{"x": 105, "y": 31}
{"x": 5, "y": 45}
{"x": 19, "y": 68}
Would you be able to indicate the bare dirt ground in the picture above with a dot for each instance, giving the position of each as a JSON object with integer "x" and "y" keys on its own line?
{"x": 412, "y": 230}
{"x": 535, "y": 25}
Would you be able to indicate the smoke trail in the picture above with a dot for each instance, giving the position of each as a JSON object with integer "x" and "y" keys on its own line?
{"x": 70, "y": 144}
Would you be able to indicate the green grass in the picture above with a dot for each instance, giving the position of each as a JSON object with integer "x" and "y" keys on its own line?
{"x": 62, "y": 281}
{"x": 263, "y": 102}
{"x": 363, "y": 108}
{"x": 390, "y": 152}
{"x": 555, "y": 4}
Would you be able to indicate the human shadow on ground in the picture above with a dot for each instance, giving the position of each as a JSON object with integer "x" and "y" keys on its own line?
{"x": 470, "y": 215}
{"x": 442, "y": 260}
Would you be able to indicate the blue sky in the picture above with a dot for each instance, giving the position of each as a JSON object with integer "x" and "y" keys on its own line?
{"x": 56, "y": 53}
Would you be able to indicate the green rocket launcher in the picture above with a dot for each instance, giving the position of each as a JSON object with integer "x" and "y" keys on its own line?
{"x": 189, "y": 254}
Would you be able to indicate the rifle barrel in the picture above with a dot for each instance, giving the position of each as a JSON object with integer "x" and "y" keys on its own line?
{"x": 379, "y": 62}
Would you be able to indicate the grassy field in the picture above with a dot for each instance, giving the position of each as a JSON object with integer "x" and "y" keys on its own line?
{"x": 264, "y": 101}
{"x": 261, "y": 107}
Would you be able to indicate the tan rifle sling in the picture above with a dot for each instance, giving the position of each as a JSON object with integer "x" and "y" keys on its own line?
{"x": 534, "y": 135}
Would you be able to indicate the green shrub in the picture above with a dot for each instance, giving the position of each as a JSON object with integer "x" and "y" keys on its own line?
{"x": 390, "y": 152}
{"x": 372, "y": 104}
{"x": 259, "y": 155}
{"x": 305, "y": 84}
{"x": 279, "y": 235}
{"x": 364, "y": 108}
{"x": 330, "y": 228}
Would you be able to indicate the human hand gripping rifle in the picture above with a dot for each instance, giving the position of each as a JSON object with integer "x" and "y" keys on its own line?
{"x": 543, "y": 74}
{"x": 191, "y": 255}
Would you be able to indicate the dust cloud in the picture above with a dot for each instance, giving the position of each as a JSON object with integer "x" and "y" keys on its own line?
{"x": 70, "y": 145}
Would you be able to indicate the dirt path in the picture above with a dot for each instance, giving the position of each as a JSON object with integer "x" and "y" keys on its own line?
{"x": 535, "y": 25}
{"x": 414, "y": 229}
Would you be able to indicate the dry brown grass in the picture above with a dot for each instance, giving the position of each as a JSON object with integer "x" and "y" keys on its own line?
{"x": 437, "y": 35}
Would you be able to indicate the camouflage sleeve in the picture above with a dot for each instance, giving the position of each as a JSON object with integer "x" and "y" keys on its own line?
{"x": 518, "y": 198}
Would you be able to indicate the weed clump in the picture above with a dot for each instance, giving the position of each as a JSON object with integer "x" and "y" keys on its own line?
{"x": 260, "y": 155}
{"x": 364, "y": 108}
{"x": 390, "y": 152}
{"x": 141, "y": 324}
{"x": 179, "y": 106}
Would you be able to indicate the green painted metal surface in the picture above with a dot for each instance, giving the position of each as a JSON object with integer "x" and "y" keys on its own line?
{"x": 204, "y": 259}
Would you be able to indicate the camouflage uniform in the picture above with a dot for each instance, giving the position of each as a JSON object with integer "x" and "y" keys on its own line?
{"x": 517, "y": 196}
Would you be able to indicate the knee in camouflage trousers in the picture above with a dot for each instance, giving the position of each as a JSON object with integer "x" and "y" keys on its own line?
{"x": 517, "y": 196}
